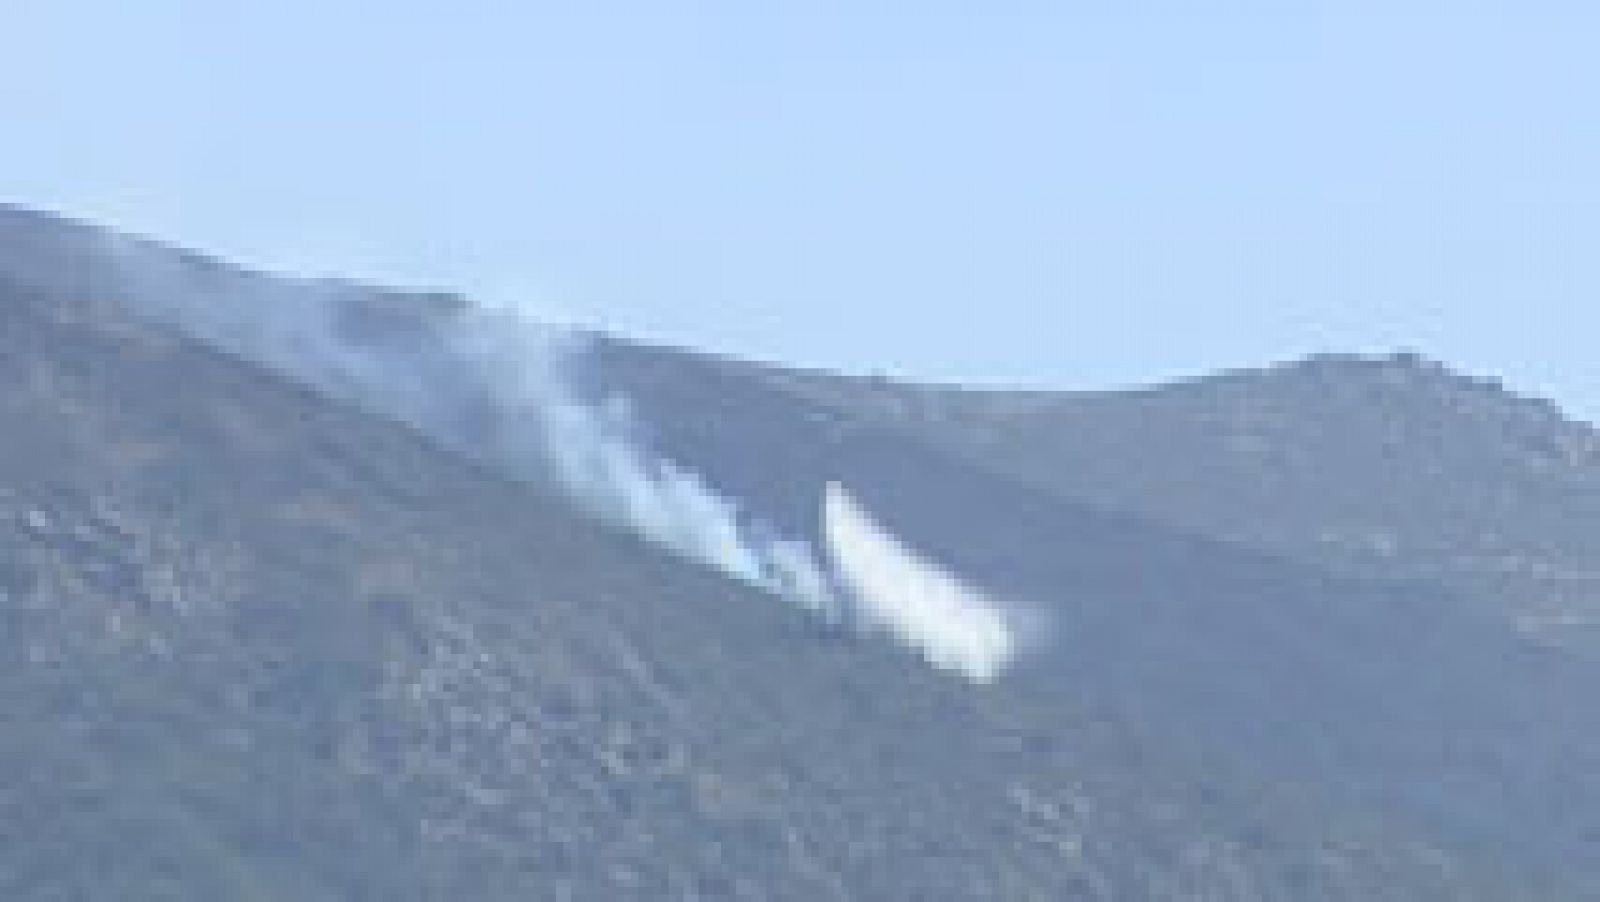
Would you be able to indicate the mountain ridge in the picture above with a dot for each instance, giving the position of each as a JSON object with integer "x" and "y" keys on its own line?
{"x": 65, "y": 228}
{"x": 304, "y": 651}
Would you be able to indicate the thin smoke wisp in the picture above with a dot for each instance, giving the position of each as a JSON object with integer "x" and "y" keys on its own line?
{"x": 499, "y": 387}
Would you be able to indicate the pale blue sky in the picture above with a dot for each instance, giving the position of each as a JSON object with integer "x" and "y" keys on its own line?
{"x": 1075, "y": 194}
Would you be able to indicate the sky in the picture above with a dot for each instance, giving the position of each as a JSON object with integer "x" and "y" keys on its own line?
{"x": 1063, "y": 193}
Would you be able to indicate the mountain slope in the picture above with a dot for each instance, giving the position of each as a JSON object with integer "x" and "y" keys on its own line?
{"x": 259, "y": 641}
{"x": 1294, "y": 675}
{"x": 1390, "y": 466}
{"x": 302, "y": 653}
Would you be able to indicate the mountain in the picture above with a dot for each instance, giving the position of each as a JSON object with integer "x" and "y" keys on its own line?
{"x": 1391, "y": 466}
{"x": 259, "y": 639}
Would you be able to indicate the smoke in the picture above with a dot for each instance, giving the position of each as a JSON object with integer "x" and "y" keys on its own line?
{"x": 497, "y": 386}
{"x": 953, "y": 625}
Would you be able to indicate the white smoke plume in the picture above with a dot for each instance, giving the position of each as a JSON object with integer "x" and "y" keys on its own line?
{"x": 498, "y": 386}
{"x": 953, "y": 625}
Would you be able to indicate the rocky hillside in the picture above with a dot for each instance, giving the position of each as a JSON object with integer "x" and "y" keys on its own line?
{"x": 256, "y": 642}
{"x": 1390, "y": 466}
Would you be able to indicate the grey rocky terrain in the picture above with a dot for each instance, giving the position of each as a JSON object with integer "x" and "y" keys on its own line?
{"x": 1309, "y": 633}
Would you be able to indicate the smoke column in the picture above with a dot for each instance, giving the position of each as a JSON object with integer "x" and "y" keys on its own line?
{"x": 953, "y": 625}
{"x": 499, "y": 387}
